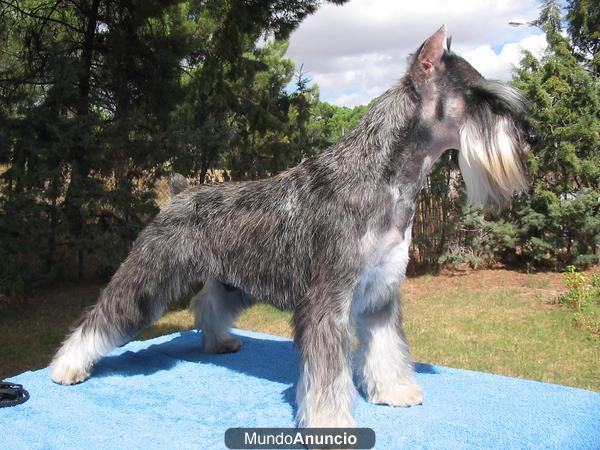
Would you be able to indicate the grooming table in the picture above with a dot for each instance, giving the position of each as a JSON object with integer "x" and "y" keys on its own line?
{"x": 166, "y": 393}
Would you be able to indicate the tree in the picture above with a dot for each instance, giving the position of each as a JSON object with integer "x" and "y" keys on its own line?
{"x": 100, "y": 97}
{"x": 559, "y": 219}
{"x": 101, "y": 78}
{"x": 583, "y": 17}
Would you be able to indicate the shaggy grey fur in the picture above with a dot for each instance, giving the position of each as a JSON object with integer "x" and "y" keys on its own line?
{"x": 327, "y": 239}
{"x": 177, "y": 184}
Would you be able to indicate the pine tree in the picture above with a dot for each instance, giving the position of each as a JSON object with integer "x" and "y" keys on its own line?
{"x": 559, "y": 219}
{"x": 100, "y": 97}
{"x": 583, "y": 18}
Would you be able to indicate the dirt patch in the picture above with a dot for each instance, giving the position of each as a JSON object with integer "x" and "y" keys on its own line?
{"x": 541, "y": 288}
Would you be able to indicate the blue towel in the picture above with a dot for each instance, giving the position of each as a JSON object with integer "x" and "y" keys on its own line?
{"x": 166, "y": 393}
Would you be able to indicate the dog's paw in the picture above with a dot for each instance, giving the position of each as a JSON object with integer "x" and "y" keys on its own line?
{"x": 66, "y": 374}
{"x": 229, "y": 344}
{"x": 400, "y": 394}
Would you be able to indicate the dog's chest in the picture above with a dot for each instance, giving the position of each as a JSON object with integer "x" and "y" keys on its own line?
{"x": 386, "y": 258}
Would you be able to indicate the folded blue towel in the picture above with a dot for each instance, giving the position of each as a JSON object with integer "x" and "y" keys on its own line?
{"x": 166, "y": 393}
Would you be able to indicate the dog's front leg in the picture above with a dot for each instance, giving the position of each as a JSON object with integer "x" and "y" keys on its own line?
{"x": 325, "y": 391}
{"x": 384, "y": 364}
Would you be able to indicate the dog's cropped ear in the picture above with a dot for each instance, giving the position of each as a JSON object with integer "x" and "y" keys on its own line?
{"x": 427, "y": 64}
{"x": 177, "y": 184}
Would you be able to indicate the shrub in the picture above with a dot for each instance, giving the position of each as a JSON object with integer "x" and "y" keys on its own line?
{"x": 583, "y": 297}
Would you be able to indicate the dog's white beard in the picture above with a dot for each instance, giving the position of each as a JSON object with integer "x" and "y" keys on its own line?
{"x": 490, "y": 166}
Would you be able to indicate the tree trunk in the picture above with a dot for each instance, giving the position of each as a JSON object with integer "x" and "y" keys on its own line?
{"x": 79, "y": 167}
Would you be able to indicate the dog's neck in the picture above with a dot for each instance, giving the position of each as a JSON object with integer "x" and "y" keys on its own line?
{"x": 379, "y": 167}
{"x": 390, "y": 148}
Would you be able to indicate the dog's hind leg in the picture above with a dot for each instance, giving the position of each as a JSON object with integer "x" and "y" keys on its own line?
{"x": 384, "y": 364}
{"x": 161, "y": 267}
{"x": 215, "y": 309}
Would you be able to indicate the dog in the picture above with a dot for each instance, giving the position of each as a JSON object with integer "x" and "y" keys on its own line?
{"x": 328, "y": 239}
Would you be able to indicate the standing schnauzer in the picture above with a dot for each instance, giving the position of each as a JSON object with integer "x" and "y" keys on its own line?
{"x": 328, "y": 239}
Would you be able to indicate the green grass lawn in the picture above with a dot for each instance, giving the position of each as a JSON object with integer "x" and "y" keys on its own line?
{"x": 500, "y": 333}
{"x": 495, "y": 321}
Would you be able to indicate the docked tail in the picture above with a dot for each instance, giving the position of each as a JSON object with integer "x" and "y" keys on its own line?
{"x": 177, "y": 184}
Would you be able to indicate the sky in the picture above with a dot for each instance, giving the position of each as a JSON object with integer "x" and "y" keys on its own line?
{"x": 356, "y": 51}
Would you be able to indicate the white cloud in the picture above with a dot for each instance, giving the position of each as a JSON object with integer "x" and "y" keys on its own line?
{"x": 499, "y": 65}
{"x": 354, "y": 52}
